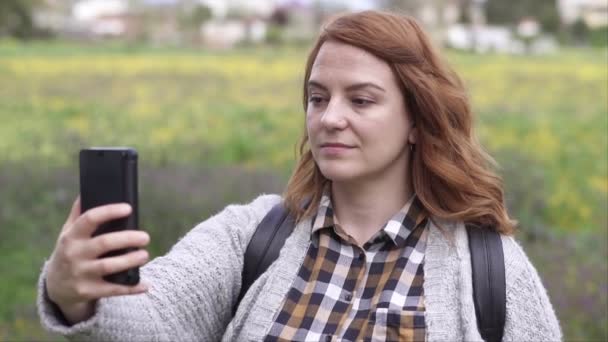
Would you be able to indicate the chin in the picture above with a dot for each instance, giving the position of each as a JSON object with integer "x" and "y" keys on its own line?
{"x": 338, "y": 173}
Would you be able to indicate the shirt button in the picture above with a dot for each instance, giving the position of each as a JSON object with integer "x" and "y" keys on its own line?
{"x": 361, "y": 256}
{"x": 348, "y": 296}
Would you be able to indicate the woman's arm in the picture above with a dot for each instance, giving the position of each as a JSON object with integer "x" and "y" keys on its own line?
{"x": 530, "y": 315}
{"x": 192, "y": 288}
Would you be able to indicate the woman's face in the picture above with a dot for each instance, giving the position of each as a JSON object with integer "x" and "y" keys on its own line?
{"x": 356, "y": 118}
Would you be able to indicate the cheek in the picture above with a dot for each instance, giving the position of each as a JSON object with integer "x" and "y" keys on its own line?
{"x": 387, "y": 136}
{"x": 311, "y": 125}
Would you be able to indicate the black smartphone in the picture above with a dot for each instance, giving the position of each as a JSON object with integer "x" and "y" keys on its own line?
{"x": 109, "y": 175}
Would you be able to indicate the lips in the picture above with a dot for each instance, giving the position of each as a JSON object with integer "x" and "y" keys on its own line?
{"x": 335, "y": 149}
{"x": 336, "y": 145}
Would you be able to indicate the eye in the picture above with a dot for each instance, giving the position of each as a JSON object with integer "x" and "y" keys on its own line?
{"x": 361, "y": 102}
{"x": 315, "y": 99}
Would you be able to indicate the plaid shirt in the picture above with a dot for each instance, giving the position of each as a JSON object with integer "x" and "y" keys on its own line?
{"x": 344, "y": 291}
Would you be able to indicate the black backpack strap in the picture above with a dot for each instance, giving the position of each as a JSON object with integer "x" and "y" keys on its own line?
{"x": 264, "y": 247}
{"x": 488, "y": 266}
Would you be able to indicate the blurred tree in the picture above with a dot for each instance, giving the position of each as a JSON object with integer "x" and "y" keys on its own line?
{"x": 194, "y": 17}
{"x": 191, "y": 17}
{"x": 16, "y": 18}
{"x": 278, "y": 21}
{"x": 430, "y": 13}
{"x": 409, "y": 6}
{"x": 280, "y": 17}
{"x": 599, "y": 36}
{"x": 579, "y": 31}
{"x": 465, "y": 13}
{"x": 502, "y": 12}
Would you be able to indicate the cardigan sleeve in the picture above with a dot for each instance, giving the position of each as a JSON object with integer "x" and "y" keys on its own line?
{"x": 192, "y": 288}
{"x": 530, "y": 315}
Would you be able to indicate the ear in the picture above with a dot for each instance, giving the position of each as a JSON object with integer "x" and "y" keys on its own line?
{"x": 412, "y": 137}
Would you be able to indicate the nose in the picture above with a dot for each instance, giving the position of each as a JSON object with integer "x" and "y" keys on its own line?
{"x": 333, "y": 116}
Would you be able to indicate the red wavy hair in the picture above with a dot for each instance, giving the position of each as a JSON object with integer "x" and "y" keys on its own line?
{"x": 452, "y": 175}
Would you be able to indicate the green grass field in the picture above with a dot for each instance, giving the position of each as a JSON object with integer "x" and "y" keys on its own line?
{"x": 214, "y": 128}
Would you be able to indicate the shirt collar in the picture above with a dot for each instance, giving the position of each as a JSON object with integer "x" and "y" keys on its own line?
{"x": 325, "y": 212}
{"x": 398, "y": 228}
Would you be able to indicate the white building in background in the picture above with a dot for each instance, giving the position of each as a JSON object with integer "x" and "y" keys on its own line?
{"x": 527, "y": 38}
{"x": 222, "y": 31}
{"x": 593, "y": 12}
{"x": 225, "y": 34}
{"x": 221, "y": 8}
{"x": 102, "y": 17}
{"x": 264, "y": 8}
{"x": 433, "y": 15}
{"x": 88, "y": 10}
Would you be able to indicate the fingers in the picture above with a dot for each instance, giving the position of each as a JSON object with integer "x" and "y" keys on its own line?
{"x": 109, "y": 265}
{"x": 100, "y": 288}
{"x": 74, "y": 213}
{"x": 112, "y": 241}
{"x": 85, "y": 225}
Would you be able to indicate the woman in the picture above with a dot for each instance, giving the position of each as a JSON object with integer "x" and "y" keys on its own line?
{"x": 392, "y": 171}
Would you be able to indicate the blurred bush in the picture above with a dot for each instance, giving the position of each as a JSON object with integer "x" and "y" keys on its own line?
{"x": 599, "y": 37}
{"x": 573, "y": 265}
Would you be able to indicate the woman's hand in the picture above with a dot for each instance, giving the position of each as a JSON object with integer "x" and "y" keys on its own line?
{"x": 74, "y": 277}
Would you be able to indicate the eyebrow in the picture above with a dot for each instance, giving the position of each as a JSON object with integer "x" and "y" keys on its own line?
{"x": 351, "y": 87}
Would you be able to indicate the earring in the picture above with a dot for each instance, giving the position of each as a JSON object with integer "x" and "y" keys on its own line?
{"x": 412, "y": 147}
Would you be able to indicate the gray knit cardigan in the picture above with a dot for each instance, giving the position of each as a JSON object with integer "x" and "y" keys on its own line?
{"x": 194, "y": 286}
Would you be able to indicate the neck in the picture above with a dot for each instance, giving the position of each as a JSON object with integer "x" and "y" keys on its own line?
{"x": 364, "y": 206}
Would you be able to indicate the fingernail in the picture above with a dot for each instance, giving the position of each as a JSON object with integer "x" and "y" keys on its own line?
{"x": 145, "y": 238}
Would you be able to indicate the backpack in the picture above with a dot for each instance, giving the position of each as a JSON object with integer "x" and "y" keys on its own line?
{"x": 487, "y": 262}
